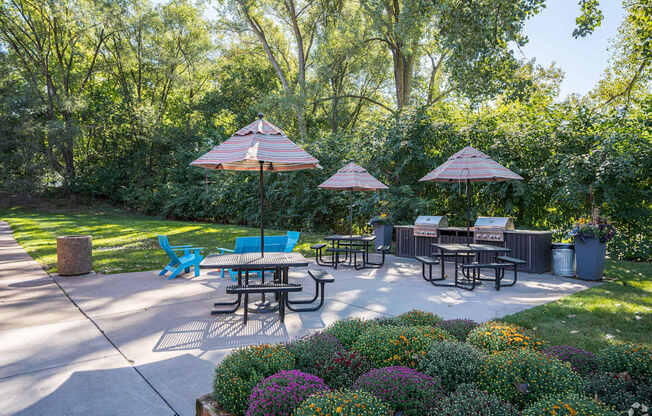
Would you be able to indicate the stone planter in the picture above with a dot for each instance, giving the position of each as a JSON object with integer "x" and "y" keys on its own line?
{"x": 207, "y": 406}
{"x": 589, "y": 258}
{"x": 383, "y": 233}
{"x": 74, "y": 254}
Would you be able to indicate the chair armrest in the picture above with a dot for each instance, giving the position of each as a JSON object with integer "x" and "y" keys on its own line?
{"x": 225, "y": 249}
{"x": 183, "y": 246}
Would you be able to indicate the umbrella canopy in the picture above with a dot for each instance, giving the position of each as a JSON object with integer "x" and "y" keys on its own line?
{"x": 259, "y": 146}
{"x": 470, "y": 165}
{"x": 352, "y": 178}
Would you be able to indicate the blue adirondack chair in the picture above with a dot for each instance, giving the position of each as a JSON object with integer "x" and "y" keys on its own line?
{"x": 191, "y": 257}
{"x": 273, "y": 244}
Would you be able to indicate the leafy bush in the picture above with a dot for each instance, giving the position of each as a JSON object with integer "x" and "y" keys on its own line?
{"x": 581, "y": 361}
{"x": 616, "y": 390}
{"x": 524, "y": 376}
{"x": 281, "y": 393}
{"x": 343, "y": 368}
{"x": 571, "y": 404}
{"x": 239, "y": 372}
{"x": 469, "y": 400}
{"x": 500, "y": 336}
{"x": 310, "y": 350}
{"x": 405, "y": 389}
{"x": 636, "y": 360}
{"x": 453, "y": 362}
{"x": 348, "y": 331}
{"x": 459, "y": 328}
{"x": 398, "y": 345}
{"x": 416, "y": 317}
{"x": 343, "y": 403}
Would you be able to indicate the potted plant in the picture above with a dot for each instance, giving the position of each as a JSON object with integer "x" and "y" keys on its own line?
{"x": 382, "y": 229}
{"x": 591, "y": 238}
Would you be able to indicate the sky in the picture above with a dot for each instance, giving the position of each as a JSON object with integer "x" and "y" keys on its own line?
{"x": 583, "y": 60}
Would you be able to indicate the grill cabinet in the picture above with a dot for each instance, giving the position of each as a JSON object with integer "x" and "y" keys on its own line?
{"x": 427, "y": 225}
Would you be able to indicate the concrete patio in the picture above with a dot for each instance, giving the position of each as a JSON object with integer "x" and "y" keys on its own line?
{"x": 135, "y": 343}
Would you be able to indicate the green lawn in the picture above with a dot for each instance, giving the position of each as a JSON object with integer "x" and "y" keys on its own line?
{"x": 123, "y": 242}
{"x": 618, "y": 311}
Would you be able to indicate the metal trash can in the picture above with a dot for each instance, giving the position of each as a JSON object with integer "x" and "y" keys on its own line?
{"x": 563, "y": 259}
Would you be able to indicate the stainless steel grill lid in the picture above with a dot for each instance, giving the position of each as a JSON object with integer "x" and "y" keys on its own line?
{"x": 427, "y": 225}
{"x": 492, "y": 228}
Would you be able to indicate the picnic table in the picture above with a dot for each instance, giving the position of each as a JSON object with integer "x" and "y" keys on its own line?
{"x": 461, "y": 251}
{"x": 350, "y": 246}
{"x": 244, "y": 263}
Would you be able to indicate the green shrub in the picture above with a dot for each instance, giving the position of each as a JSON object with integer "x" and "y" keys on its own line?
{"x": 459, "y": 328}
{"x": 500, "y": 336}
{"x": 614, "y": 389}
{"x": 636, "y": 360}
{"x": 416, "y": 317}
{"x": 239, "y": 372}
{"x": 523, "y": 376}
{"x": 348, "y": 330}
{"x": 406, "y": 390}
{"x": 343, "y": 403}
{"x": 583, "y": 362}
{"x": 453, "y": 362}
{"x": 386, "y": 346}
{"x": 469, "y": 400}
{"x": 311, "y": 350}
{"x": 570, "y": 404}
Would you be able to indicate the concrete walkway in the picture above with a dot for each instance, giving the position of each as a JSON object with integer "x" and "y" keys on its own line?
{"x": 137, "y": 344}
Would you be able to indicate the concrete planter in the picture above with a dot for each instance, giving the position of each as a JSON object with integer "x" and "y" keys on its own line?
{"x": 207, "y": 406}
{"x": 74, "y": 254}
{"x": 383, "y": 233}
{"x": 589, "y": 258}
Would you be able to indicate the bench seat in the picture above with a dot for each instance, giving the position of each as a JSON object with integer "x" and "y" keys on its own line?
{"x": 512, "y": 260}
{"x": 427, "y": 259}
{"x": 321, "y": 276}
{"x": 263, "y": 288}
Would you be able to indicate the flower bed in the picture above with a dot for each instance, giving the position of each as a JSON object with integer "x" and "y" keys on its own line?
{"x": 406, "y": 390}
{"x": 398, "y": 366}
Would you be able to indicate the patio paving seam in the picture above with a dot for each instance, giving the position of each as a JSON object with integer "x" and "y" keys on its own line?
{"x": 115, "y": 346}
{"x": 52, "y": 367}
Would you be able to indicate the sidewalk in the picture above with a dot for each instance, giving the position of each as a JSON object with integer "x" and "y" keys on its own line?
{"x": 53, "y": 359}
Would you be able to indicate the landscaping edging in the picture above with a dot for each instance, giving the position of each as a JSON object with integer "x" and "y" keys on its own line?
{"x": 207, "y": 406}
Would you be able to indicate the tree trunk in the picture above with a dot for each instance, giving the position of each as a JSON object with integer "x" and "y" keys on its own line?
{"x": 403, "y": 69}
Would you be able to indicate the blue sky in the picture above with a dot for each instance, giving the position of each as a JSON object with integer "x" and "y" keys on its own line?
{"x": 583, "y": 60}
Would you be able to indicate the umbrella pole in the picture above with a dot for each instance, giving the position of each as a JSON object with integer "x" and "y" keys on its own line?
{"x": 351, "y": 210}
{"x": 468, "y": 203}
{"x": 262, "y": 224}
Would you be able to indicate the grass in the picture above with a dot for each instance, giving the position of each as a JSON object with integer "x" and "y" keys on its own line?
{"x": 619, "y": 310}
{"x": 123, "y": 242}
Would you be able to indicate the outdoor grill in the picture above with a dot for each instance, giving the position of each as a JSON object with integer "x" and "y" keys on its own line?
{"x": 427, "y": 225}
{"x": 492, "y": 228}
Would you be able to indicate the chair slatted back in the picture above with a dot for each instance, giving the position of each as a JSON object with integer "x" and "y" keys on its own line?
{"x": 165, "y": 245}
{"x": 292, "y": 240}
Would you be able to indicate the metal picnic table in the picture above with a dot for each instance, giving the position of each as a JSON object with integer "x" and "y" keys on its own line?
{"x": 246, "y": 262}
{"x": 455, "y": 250}
{"x": 351, "y": 241}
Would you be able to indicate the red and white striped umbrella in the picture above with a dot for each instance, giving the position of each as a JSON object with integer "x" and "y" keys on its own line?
{"x": 260, "y": 146}
{"x": 472, "y": 165}
{"x": 352, "y": 178}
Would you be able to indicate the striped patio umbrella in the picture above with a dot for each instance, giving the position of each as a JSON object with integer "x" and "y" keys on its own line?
{"x": 260, "y": 146}
{"x": 470, "y": 165}
{"x": 352, "y": 178}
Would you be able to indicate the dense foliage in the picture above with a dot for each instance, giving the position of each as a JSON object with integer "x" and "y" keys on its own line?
{"x": 500, "y": 336}
{"x": 406, "y": 390}
{"x": 616, "y": 390}
{"x": 523, "y": 376}
{"x": 391, "y": 345}
{"x": 281, "y": 393}
{"x": 125, "y": 95}
{"x": 459, "y": 328}
{"x": 634, "y": 359}
{"x": 453, "y": 363}
{"x": 469, "y": 400}
{"x": 417, "y": 318}
{"x": 348, "y": 331}
{"x": 237, "y": 374}
{"x": 344, "y": 403}
{"x": 570, "y": 404}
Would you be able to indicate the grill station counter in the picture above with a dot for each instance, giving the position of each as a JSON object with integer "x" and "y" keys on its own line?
{"x": 530, "y": 245}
